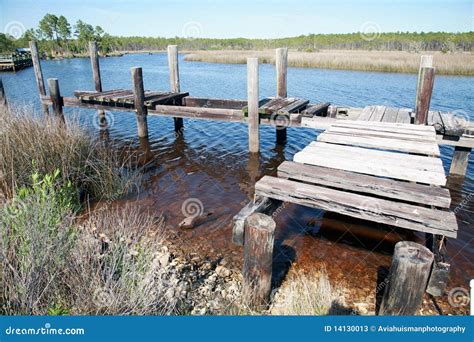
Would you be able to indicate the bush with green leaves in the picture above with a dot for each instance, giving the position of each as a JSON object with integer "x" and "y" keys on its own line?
{"x": 36, "y": 239}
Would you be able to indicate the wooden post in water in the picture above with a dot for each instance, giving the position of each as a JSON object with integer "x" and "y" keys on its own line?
{"x": 174, "y": 79}
{"x": 460, "y": 160}
{"x": 38, "y": 73}
{"x": 281, "y": 65}
{"x": 55, "y": 96}
{"x": 3, "y": 97}
{"x": 139, "y": 100}
{"x": 258, "y": 258}
{"x": 409, "y": 273}
{"x": 424, "y": 89}
{"x": 252, "y": 98}
{"x": 94, "y": 55}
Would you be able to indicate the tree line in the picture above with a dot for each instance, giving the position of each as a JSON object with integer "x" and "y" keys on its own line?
{"x": 57, "y": 37}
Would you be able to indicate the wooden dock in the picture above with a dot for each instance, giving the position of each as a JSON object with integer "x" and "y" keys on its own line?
{"x": 15, "y": 61}
{"x": 393, "y": 176}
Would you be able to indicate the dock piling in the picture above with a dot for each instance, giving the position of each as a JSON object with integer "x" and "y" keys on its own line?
{"x": 281, "y": 64}
{"x": 174, "y": 79}
{"x": 3, "y": 97}
{"x": 139, "y": 100}
{"x": 258, "y": 258}
{"x": 252, "y": 98}
{"x": 408, "y": 278}
{"x": 55, "y": 96}
{"x": 94, "y": 55}
{"x": 460, "y": 160}
{"x": 424, "y": 89}
{"x": 38, "y": 73}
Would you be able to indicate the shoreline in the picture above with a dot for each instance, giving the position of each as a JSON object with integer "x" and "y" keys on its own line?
{"x": 450, "y": 64}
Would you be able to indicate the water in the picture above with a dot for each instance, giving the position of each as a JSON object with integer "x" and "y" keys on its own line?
{"x": 209, "y": 163}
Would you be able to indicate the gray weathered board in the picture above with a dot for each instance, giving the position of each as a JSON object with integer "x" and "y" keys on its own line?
{"x": 375, "y": 209}
{"x": 370, "y": 182}
{"x": 401, "y": 142}
{"x": 361, "y": 183}
{"x": 124, "y": 98}
{"x": 450, "y": 124}
{"x": 279, "y": 105}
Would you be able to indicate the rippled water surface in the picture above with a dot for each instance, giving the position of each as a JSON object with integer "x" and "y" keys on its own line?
{"x": 209, "y": 162}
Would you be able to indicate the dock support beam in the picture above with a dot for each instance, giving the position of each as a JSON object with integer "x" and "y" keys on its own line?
{"x": 409, "y": 273}
{"x": 94, "y": 54}
{"x": 424, "y": 89}
{"x": 174, "y": 79}
{"x": 252, "y": 98}
{"x": 258, "y": 259}
{"x": 460, "y": 160}
{"x": 3, "y": 97}
{"x": 281, "y": 65}
{"x": 55, "y": 96}
{"x": 139, "y": 98}
{"x": 38, "y": 73}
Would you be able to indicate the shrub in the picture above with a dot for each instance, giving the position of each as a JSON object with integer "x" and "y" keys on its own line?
{"x": 36, "y": 239}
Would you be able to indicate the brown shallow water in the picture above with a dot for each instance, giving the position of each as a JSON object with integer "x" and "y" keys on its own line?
{"x": 355, "y": 253}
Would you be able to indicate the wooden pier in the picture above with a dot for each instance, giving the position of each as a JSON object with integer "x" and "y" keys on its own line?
{"x": 279, "y": 111}
{"x": 376, "y": 163}
{"x": 15, "y": 61}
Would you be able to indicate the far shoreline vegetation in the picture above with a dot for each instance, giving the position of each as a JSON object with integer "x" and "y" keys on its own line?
{"x": 386, "y": 52}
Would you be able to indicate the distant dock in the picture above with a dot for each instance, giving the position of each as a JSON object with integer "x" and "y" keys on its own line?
{"x": 15, "y": 61}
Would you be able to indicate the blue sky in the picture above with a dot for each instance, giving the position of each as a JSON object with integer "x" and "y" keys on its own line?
{"x": 245, "y": 18}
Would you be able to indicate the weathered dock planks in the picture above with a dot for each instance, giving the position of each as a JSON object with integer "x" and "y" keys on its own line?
{"x": 125, "y": 98}
{"x": 15, "y": 61}
{"x": 362, "y": 183}
{"x": 357, "y": 138}
{"x": 364, "y": 207}
{"x": 390, "y": 187}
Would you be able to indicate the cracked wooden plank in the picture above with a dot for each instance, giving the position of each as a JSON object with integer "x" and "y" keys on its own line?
{"x": 397, "y": 214}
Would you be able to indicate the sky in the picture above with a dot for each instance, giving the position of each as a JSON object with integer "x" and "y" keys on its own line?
{"x": 244, "y": 18}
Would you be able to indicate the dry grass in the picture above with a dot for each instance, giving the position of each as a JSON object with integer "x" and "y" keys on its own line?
{"x": 29, "y": 144}
{"x": 303, "y": 294}
{"x": 118, "y": 257}
{"x": 387, "y": 61}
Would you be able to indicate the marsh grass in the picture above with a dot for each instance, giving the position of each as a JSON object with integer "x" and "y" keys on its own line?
{"x": 458, "y": 63}
{"x": 29, "y": 143}
{"x": 303, "y": 294}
